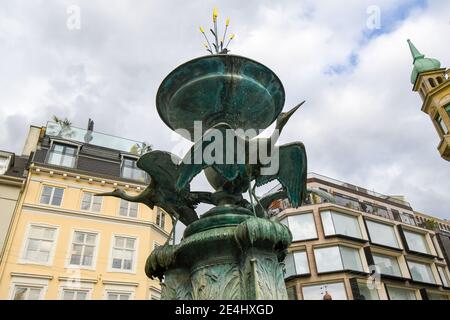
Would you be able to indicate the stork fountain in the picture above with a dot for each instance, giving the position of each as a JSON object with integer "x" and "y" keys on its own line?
{"x": 235, "y": 250}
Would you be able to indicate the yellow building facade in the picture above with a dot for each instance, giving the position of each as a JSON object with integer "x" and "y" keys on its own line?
{"x": 65, "y": 243}
{"x": 433, "y": 85}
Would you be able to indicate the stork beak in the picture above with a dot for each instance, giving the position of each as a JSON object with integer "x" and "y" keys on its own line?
{"x": 293, "y": 110}
{"x": 106, "y": 194}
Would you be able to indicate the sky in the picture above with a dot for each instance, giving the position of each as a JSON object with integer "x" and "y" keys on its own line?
{"x": 361, "y": 124}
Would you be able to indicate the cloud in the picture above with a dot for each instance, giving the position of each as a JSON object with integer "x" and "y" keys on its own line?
{"x": 361, "y": 124}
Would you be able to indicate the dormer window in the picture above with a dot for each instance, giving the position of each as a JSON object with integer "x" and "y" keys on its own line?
{"x": 131, "y": 171}
{"x": 4, "y": 164}
{"x": 64, "y": 155}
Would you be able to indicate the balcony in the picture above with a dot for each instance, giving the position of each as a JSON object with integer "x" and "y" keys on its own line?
{"x": 54, "y": 130}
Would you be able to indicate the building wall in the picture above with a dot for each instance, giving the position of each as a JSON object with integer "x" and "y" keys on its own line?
{"x": 66, "y": 219}
{"x": 9, "y": 195}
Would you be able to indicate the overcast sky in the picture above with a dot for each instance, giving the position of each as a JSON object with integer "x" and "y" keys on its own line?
{"x": 362, "y": 123}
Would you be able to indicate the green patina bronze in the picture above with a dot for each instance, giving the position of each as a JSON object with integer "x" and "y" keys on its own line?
{"x": 235, "y": 250}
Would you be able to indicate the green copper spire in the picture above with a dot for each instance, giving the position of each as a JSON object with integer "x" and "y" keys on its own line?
{"x": 421, "y": 64}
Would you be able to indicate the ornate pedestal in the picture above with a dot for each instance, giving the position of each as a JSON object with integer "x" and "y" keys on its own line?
{"x": 227, "y": 254}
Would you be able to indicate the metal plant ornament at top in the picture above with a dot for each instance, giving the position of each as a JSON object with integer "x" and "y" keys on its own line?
{"x": 236, "y": 249}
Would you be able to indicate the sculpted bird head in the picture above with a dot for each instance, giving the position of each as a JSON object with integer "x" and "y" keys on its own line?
{"x": 284, "y": 117}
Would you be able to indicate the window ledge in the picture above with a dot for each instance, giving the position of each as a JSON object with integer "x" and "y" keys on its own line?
{"x": 345, "y": 237}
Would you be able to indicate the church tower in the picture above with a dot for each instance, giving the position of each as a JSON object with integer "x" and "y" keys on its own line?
{"x": 433, "y": 85}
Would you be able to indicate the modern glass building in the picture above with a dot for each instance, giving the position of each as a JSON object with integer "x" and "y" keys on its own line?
{"x": 365, "y": 246}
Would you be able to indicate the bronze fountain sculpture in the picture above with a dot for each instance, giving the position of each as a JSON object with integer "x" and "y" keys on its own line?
{"x": 235, "y": 250}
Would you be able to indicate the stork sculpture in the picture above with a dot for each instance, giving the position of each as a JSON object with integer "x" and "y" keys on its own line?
{"x": 244, "y": 168}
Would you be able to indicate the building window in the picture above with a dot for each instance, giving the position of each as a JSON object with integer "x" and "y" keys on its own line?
{"x": 83, "y": 248}
{"x": 39, "y": 245}
{"x": 366, "y": 293}
{"x": 131, "y": 171}
{"x": 123, "y": 254}
{"x": 340, "y": 224}
{"x": 432, "y": 82}
{"x": 441, "y": 123}
{"x": 326, "y": 291}
{"x": 91, "y": 202}
{"x": 52, "y": 195}
{"x": 118, "y": 295}
{"x": 408, "y": 218}
{"x": 436, "y": 296}
{"x": 388, "y": 265}
{"x": 337, "y": 258}
{"x": 69, "y": 294}
{"x": 62, "y": 155}
{"x": 447, "y": 109}
{"x": 296, "y": 264}
{"x": 302, "y": 226}
{"x": 444, "y": 277}
{"x": 421, "y": 272}
{"x": 401, "y": 293}
{"x": 376, "y": 210}
{"x": 4, "y": 164}
{"x": 291, "y": 293}
{"x": 416, "y": 242}
{"x": 160, "y": 218}
{"x": 128, "y": 209}
{"x": 382, "y": 234}
{"x": 346, "y": 201}
{"x": 27, "y": 293}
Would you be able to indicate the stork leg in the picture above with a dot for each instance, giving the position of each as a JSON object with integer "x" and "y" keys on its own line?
{"x": 251, "y": 196}
{"x": 172, "y": 232}
{"x": 257, "y": 200}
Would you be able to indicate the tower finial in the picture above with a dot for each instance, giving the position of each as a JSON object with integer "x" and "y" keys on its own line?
{"x": 414, "y": 51}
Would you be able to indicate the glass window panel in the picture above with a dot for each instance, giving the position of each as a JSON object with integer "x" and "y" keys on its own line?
{"x": 130, "y": 243}
{"x": 112, "y": 296}
{"x": 34, "y": 294}
{"x": 317, "y": 292}
{"x": 342, "y": 224}
{"x": 86, "y": 203}
{"x": 46, "y": 194}
{"x": 416, "y": 242}
{"x": 81, "y": 295}
{"x": 120, "y": 242}
{"x": 133, "y": 209}
{"x": 327, "y": 222}
{"x": 20, "y": 293}
{"x": 421, "y": 272}
{"x": 124, "y": 297}
{"x": 382, "y": 234}
{"x": 117, "y": 263}
{"x": 296, "y": 263}
{"x": 351, "y": 258}
{"x": 443, "y": 276}
{"x": 437, "y": 296}
{"x": 91, "y": 238}
{"x": 346, "y": 201}
{"x": 97, "y": 204}
{"x": 62, "y": 155}
{"x": 68, "y": 295}
{"x": 79, "y": 237}
{"x": 367, "y": 293}
{"x": 57, "y": 196}
{"x": 388, "y": 265}
{"x": 328, "y": 259}
{"x": 401, "y": 294}
{"x": 302, "y": 227}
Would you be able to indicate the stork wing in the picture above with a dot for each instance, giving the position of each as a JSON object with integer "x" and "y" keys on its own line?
{"x": 161, "y": 166}
{"x": 292, "y": 172}
{"x": 195, "y": 160}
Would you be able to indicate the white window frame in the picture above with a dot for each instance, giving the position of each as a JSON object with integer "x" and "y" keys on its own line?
{"x": 28, "y": 286}
{"x": 51, "y": 196}
{"x": 128, "y": 209}
{"x": 69, "y": 250}
{"x": 135, "y": 255}
{"x": 23, "y": 260}
{"x": 161, "y": 214}
{"x": 5, "y": 168}
{"x": 91, "y": 203}
{"x": 64, "y": 288}
{"x": 19, "y": 281}
{"x": 118, "y": 291}
{"x": 65, "y": 143}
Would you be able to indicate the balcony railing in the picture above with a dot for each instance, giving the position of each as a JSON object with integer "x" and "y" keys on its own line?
{"x": 358, "y": 189}
{"x": 91, "y": 137}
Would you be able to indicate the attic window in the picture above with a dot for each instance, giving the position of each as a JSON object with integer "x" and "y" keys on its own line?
{"x": 4, "y": 164}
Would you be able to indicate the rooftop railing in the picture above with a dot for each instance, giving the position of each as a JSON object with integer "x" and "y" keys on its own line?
{"x": 358, "y": 189}
{"x": 56, "y": 130}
